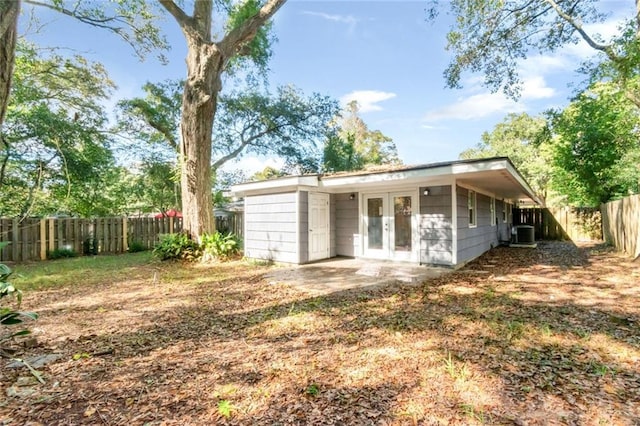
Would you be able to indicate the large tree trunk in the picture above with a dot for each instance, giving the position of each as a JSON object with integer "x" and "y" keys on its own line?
{"x": 206, "y": 61}
{"x": 9, "y": 11}
{"x": 204, "y": 66}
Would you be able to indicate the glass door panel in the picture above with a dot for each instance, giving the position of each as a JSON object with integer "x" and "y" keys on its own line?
{"x": 375, "y": 217}
{"x": 402, "y": 223}
{"x": 389, "y": 226}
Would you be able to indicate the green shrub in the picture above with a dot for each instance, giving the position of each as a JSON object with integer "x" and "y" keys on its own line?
{"x": 61, "y": 253}
{"x": 9, "y": 314}
{"x": 220, "y": 246}
{"x": 136, "y": 246}
{"x": 178, "y": 247}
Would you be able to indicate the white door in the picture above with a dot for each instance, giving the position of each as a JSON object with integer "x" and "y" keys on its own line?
{"x": 390, "y": 226}
{"x": 318, "y": 226}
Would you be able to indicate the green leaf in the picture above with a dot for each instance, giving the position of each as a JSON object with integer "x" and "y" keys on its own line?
{"x": 225, "y": 408}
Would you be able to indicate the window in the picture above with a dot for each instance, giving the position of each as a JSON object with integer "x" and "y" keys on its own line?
{"x": 472, "y": 209}
{"x": 504, "y": 212}
{"x": 492, "y": 207}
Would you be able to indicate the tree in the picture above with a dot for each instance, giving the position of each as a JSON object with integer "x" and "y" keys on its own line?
{"x": 153, "y": 119}
{"x": 245, "y": 35}
{"x": 522, "y": 138}
{"x": 492, "y": 38}
{"x": 286, "y": 124}
{"x": 340, "y": 154}
{"x": 207, "y": 60}
{"x": 157, "y": 187}
{"x": 132, "y": 20}
{"x": 9, "y": 11}
{"x": 266, "y": 174}
{"x": 353, "y": 146}
{"x": 596, "y": 148}
{"x": 54, "y": 141}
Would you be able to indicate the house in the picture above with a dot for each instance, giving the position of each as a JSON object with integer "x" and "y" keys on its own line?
{"x": 435, "y": 214}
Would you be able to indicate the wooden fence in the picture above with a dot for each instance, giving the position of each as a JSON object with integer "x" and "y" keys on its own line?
{"x": 32, "y": 239}
{"x": 621, "y": 223}
{"x": 565, "y": 223}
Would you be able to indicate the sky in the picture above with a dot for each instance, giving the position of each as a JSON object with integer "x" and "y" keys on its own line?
{"x": 384, "y": 54}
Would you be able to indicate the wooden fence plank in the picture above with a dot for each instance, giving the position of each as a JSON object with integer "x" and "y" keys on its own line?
{"x": 15, "y": 240}
{"x": 566, "y": 223}
{"x": 33, "y": 239}
{"x": 43, "y": 239}
{"x": 621, "y": 223}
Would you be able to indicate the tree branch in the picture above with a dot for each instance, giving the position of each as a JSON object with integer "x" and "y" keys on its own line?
{"x": 165, "y": 132}
{"x": 246, "y": 142}
{"x": 237, "y": 37}
{"x": 605, "y": 48}
{"x": 184, "y": 20}
{"x": 202, "y": 18}
{"x": 220, "y": 161}
{"x": 101, "y": 23}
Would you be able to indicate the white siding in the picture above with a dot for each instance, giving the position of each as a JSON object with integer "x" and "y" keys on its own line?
{"x": 346, "y": 223}
{"x": 436, "y": 246}
{"x": 271, "y": 227}
{"x": 472, "y": 242}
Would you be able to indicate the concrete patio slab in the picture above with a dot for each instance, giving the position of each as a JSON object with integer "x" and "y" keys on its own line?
{"x": 340, "y": 274}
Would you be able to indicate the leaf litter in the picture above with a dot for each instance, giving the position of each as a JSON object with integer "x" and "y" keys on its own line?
{"x": 519, "y": 336}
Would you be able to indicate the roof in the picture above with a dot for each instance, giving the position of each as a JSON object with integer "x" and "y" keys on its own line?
{"x": 496, "y": 175}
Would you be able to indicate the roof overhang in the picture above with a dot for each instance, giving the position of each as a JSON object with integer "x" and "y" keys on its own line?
{"x": 283, "y": 184}
{"x": 495, "y": 176}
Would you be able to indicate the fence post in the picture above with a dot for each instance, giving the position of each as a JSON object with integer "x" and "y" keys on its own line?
{"x": 171, "y": 224}
{"x": 43, "y": 239}
{"x": 125, "y": 239}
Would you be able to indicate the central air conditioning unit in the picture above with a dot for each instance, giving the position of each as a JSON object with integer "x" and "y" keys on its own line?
{"x": 523, "y": 234}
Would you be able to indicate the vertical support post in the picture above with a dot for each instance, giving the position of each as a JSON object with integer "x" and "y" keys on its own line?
{"x": 125, "y": 239}
{"x": 171, "y": 224}
{"x": 43, "y": 239}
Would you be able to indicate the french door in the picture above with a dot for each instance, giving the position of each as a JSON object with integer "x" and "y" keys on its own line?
{"x": 390, "y": 226}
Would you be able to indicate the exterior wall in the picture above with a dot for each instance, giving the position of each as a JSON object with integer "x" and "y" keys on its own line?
{"x": 345, "y": 222}
{"x": 271, "y": 230}
{"x": 332, "y": 225}
{"x": 303, "y": 220}
{"x": 504, "y": 228}
{"x": 472, "y": 242}
{"x": 435, "y": 226}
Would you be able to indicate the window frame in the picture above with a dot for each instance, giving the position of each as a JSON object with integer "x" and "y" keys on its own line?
{"x": 505, "y": 215}
{"x": 492, "y": 209}
{"x": 472, "y": 208}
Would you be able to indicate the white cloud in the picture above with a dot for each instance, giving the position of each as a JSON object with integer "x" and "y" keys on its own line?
{"x": 367, "y": 99}
{"x": 536, "y": 88}
{"x": 345, "y": 19}
{"x": 252, "y": 164}
{"x": 350, "y": 20}
{"x": 474, "y": 107}
{"x": 485, "y": 104}
{"x": 542, "y": 64}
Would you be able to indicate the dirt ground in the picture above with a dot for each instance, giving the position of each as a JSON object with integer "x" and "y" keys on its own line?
{"x": 520, "y": 336}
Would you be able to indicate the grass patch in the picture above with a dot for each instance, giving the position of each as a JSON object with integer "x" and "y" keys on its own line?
{"x": 86, "y": 270}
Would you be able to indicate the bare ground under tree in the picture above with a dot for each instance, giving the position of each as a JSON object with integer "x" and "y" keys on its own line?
{"x": 546, "y": 336}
